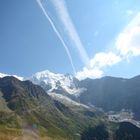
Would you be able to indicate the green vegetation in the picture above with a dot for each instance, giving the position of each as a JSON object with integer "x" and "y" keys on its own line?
{"x": 27, "y": 112}
{"x": 30, "y": 108}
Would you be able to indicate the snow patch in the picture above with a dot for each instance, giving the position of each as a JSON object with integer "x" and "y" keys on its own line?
{"x": 66, "y": 100}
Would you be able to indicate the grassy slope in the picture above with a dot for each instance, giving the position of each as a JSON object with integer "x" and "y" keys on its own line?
{"x": 28, "y": 107}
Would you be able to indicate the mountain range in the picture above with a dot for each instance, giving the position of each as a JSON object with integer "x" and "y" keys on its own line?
{"x": 108, "y": 93}
{"x": 59, "y": 106}
{"x": 113, "y": 94}
{"x": 25, "y": 106}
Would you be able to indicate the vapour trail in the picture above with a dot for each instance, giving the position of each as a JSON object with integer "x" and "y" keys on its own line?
{"x": 57, "y": 33}
{"x": 64, "y": 16}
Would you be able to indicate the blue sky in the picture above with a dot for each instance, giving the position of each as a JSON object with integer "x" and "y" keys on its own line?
{"x": 90, "y": 38}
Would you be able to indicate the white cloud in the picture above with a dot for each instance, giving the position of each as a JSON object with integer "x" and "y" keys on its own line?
{"x": 127, "y": 45}
{"x": 18, "y": 77}
{"x": 103, "y": 59}
{"x": 89, "y": 73}
{"x": 97, "y": 64}
{"x": 128, "y": 42}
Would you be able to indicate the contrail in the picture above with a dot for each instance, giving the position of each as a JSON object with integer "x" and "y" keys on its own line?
{"x": 63, "y": 14}
{"x": 57, "y": 33}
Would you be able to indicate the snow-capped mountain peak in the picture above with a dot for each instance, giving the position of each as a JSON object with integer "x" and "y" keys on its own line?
{"x": 54, "y": 81}
{"x": 64, "y": 84}
{"x": 61, "y": 87}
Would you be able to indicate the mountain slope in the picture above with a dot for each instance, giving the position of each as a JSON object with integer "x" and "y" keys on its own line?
{"x": 29, "y": 106}
{"x": 112, "y": 93}
{"x": 127, "y": 131}
{"x": 120, "y": 131}
{"x": 109, "y": 93}
{"x": 26, "y": 109}
{"x": 61, "y": 87}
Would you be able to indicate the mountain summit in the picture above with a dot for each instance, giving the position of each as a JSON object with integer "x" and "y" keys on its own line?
{"x": 52, "y": 82}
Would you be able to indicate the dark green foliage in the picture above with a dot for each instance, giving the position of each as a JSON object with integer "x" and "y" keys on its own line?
{"x": 9, "y": 119}
{"x": 25, "y": 105}
{"x": 32, "y": 106}
{"x": 127, "y": 131}
{"x": 89, "y": 113}
{"x": 95, "y": 133}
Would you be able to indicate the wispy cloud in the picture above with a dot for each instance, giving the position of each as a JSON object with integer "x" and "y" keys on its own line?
{"x": 65, "y": 18}
{"x": 127, "y": 43}
{"x": 130, "y": 12}
{"x": 57, "y": 32}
